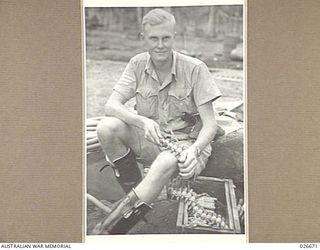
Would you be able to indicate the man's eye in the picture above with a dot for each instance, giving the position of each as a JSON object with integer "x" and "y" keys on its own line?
{"x": 154, "y": 39}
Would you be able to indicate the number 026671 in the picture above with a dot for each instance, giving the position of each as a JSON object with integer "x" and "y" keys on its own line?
{"x": 309, "y": 245}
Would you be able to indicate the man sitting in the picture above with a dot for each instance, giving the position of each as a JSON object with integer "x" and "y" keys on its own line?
{"x": 174, "y": 95}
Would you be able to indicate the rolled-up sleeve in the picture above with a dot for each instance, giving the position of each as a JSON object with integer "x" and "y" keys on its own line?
{"x": 126, "y": 86}
{"x": 204, "y": 87}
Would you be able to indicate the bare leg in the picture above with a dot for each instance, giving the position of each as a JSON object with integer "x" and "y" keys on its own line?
{"x": 158, "y": 176}
{"x": 119, "y": 141}
{"x": 116, "y": 137}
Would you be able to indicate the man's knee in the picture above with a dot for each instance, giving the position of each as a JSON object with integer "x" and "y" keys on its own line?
{"x": 165, "y": 164}
{"x": 110, "y": 127}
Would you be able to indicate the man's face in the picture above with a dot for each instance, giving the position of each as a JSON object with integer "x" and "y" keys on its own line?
{"x": 159, "y": 40}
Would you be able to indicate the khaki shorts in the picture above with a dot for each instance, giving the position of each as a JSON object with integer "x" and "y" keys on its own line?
{"x": 149, "y": 151}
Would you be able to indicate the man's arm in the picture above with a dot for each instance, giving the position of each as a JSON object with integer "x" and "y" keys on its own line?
{"x": 188, "y": 161}
{"x": 209, "y": 128}
{"x": 115, "y": 107}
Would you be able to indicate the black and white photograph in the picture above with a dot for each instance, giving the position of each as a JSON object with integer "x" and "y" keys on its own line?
{"x": 165, "y": 120}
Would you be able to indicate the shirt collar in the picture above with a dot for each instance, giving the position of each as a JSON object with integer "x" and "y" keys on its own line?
{"x": 149, "y": 66}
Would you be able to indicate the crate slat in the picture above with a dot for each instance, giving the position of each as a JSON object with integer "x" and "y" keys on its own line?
{"x": 234, "y": 208}
{"x": 180, "y": 215}
{"x": 230, "y": 215}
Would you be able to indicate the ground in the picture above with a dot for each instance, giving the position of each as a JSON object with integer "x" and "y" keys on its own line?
{"x": 101, "y": 75}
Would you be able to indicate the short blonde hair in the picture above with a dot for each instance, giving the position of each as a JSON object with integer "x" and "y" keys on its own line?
{"x": 157, "y": 16}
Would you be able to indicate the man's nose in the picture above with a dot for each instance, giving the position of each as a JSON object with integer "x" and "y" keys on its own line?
{"x": 160, "y": 43}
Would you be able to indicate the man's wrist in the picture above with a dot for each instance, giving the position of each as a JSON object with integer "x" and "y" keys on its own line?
{"x": 197, "y": 149}
{"x": 138, "y": 121}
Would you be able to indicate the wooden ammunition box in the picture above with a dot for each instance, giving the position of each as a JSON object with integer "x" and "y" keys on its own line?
{"x": 223, "y": 190}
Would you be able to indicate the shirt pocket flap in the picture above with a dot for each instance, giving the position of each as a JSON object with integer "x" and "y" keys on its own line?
{"x": 146, "y": 92}
{"x": 180, "y": 93}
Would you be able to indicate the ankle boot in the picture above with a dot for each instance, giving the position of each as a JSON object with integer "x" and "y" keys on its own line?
{"x": 124, "y": 216}
{"x": 126, "y": 171}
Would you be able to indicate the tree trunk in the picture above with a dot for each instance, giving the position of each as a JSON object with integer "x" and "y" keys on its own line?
{"x": 121, "y": 19}
{"x": 105, "y": 19}
{"x": 211, "y": 22}
{"x": 139, "y": 17}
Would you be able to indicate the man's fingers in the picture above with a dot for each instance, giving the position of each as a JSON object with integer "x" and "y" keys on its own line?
{"x": 187, "y": 175}
{"x": 187, "y": 161}
{"x": 182, "y": 157}
{"x": 155, "y": 136}
{"x": 152, "y": 131}
{"x": 152, "y": 136}
{"x": 149, "y": 137}
{"x": 189, "y": 168}
{"x": 158, "y": 132}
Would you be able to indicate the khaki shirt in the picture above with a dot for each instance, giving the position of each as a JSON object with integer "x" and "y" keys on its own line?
{"x": 189, "y": 86}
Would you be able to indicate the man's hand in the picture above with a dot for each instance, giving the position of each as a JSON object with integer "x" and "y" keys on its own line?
{"x": 188, "y": 163}
{"x": 151, "y": 130}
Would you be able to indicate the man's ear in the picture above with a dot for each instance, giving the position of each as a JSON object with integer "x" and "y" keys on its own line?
{"x": 141, "y": 36}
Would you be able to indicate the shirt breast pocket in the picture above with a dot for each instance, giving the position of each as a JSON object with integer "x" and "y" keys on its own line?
{"x": 180, "y": 100}
{"x": 147, "y": 102}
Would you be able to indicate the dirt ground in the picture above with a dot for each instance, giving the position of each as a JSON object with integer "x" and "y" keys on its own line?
{"x": 107, "y": 54}
{"x": 103, "y": 69}
{"x": 101, "y": 75}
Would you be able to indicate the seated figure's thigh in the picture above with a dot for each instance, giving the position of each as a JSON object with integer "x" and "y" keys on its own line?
{"x": 110, "y": 128}
{"x": 146, "y": 151}
{"x": 113, "y": 131}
